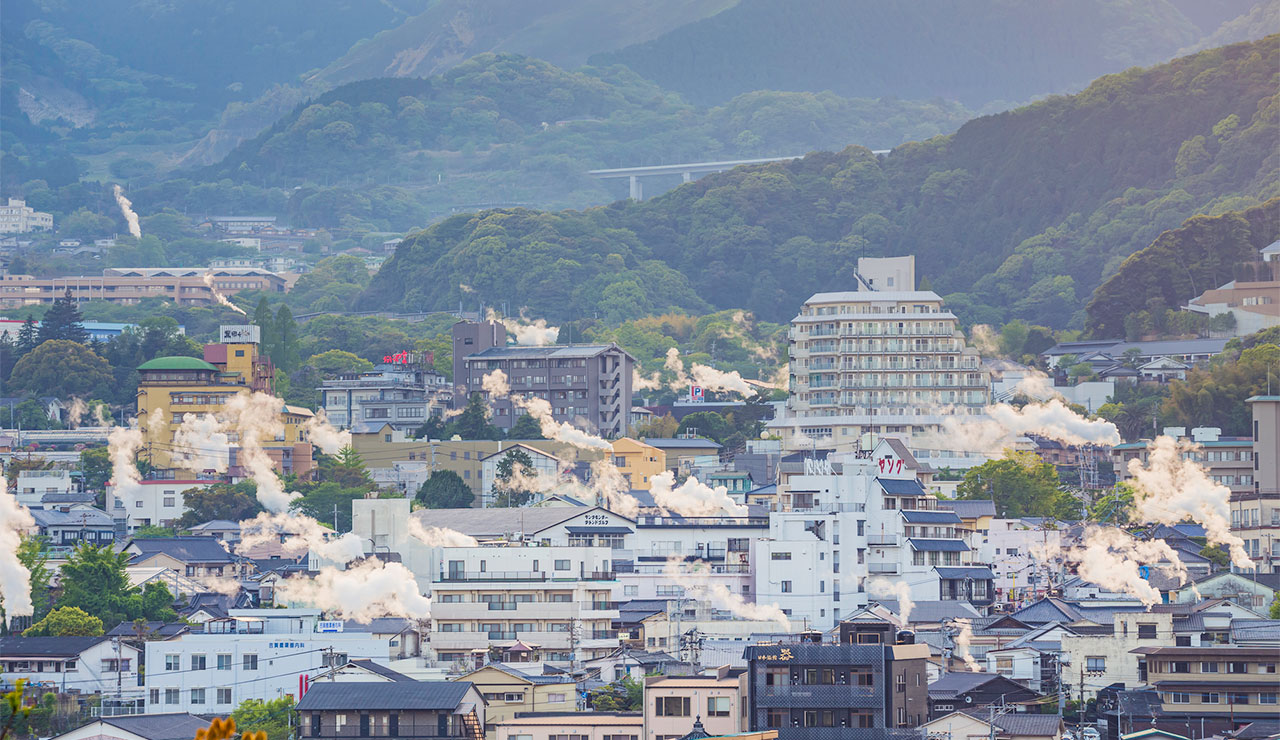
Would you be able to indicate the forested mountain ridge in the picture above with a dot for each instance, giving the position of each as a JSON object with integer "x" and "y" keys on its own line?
{"x": 1204, "y": 253}
{"x": 1018, "y": 215}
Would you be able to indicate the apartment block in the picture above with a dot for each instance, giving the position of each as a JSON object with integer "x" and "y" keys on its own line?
{"x": 882, "y": 359}
{"x": 17, "y": 217}
{"x": 1213, "y": 681}
{"x": 719, "y": 698}
{"x": 403, "y": 391}
{"x": 587, "y": 385}
{"x": 185, "y": 286}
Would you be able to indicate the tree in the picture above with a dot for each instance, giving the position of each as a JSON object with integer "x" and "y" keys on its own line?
{"x": 625, "y": 695}
{"x": 28, "y": 336}
{"x": 1275, "y": 606}
{"x": 1021, "y": 485}
{"x": 62, "y": 368}
{"x": 659, "y": 427}
{"x": 347, "y": 469}
{"x": 325, "y": 501}
{"x": 707, "y": 424}
{"x": 271, "y": 717}
{"x": 285, "y": 355}
{"x": 95, "y": 466}
{"x": 445, "y": 489}
{"x": 337, "y": 362}
{"x": 94, "y": 580}
{"x": 151, "y": 532}
{"x": 473, "y": 422}
{"x": 63, "y": 321}
{"x": 1115, "y": 507}
{"x": 266, "y": 323}
{"x": 432, "y": 428}
{"x": 66, "y": 621}
{"x": 232, "y": 502}
{"x": 526, "y": 427}
{"x": 517, "y": 465}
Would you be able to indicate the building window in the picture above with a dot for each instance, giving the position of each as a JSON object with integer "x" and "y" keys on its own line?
{"x": 1179, "y": 697}
{"x": 555, "y": 698}
{"x": 1211, "y": 698}
{"x": 672, "y": 706}
{"x": 786, "y": 587}
{"x": 172, "y": 662}
{"x": 630, "y": 590}
{"x": 197, "y": 696}
{"x": 1267, "y": 697}
{"x": 1146, "y": 632}
{"x": 170, "y": 696}
{"x": 224, "y": 696}
{"x": 718, "y": 706}
{"x": 1237, "y": 667}
{"x": 778, "y": 718}
{"x": 197, "y": 662}
{"x": 562, "y": 565}
{"x": 1208, "y": 667}
{"x": 1095, "y": 663}
{"x": 780, "y": 556}
{"x": 250, "y": 662}
{"x": 1179, "y": 666}
{"x": 1242, "y": 699}
{"x": 224, "y": 662}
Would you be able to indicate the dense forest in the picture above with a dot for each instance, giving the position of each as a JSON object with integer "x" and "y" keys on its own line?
{"x": 974, "y": 53}
{"x": 1017, "y": 215}
{"x": 1203, "y": 253}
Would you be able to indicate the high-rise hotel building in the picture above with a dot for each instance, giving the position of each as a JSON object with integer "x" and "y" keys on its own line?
{"x": 884, "y": 359}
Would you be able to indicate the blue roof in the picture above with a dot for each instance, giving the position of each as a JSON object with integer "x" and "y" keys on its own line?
{"x": 901, "y": 487}
{"x": 680, "y": 442}
{"x": 978, "y": 573}
{"x": 938, "y": 545}
{"x": 930, "y": 517}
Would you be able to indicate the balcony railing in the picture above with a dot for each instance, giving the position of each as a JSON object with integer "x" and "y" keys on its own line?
{"x": 882, "y": 567}
{"x": 882, "y": 539}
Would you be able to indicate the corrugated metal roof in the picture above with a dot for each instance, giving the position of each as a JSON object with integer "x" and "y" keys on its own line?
{"x": 901, "y": 487}
{"x": 930, "y": 517}
{"x": 980, "y": 573}
{"x": 930, "y": 545}
{"x": 406, "y": 695}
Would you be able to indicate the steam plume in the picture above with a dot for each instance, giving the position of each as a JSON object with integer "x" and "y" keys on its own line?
{"x": 985, "y": 339}
{"x": 255, "y": 417}
{"x": 641, "y": 383}
{"x": 126, "y": 207}
{"x": 123, "y": 444}
{"x": 1170, "y": 489}
{"x": 15, "y": 578}
{"x": 465, "y": 288}
{"x": 100, "y": 415}
{"x": 219, "y": 297}
{"x": 495, "y": 383}
{"x": 703, "y": 375}
{"x": 201, "y": 444}
{"x": 364, "y": 592}
{"x": 1109, "y": 557}
{"x": 221, "y": 586}
{"x": 885, "y": 588}
{"x": 693, "y": 497}
{"x": 76, "y": 412}
{"x": 964, "y": 636}
{"x": 440, "y": 536}
{"x": 529, "y": 333}
{"x": 301, "y": 534}
{"x": 1003, "y": 424}
{"x": 324, "y": 435}
{"x": 698, "y": 581}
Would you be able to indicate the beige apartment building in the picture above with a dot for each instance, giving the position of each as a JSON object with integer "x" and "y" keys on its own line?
{"x": 672, "y": 702}
{"x": 19, "y": 218}
{"x": 185, "y": 286}
{"x": 1214, "y": 681}
{"x": 882, "y": 359}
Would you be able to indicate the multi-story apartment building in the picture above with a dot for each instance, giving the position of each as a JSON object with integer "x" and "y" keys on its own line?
{"x": 158, "y": 503}
{"x": 185, "y": 286}
{"x": 177, "y": 386}
{"x": 866, "y": 684}
{"x": 252, "y": 654}
{"x": 19, "y": 218}
{"x": 638, "y": 462}
{"x": 587, "y": 385}
{"x": 1216, "y": 682}
{"x": 522, "y": 605}
{"x": 856, "y": 517}
{"x": 1228, "y": 460}
{"x": 718, "y": 548}
{"x": 718, "y": 698}
{"x": 882, "y": 359}
{"x": 403, "y": 391}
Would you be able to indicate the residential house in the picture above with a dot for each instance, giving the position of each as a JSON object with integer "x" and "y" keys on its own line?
{"x": 173, "y": 726}
{"x": 84, "y": 665}
{"x": 1225, "y": 684}
{"x": 33, "y": 485}
{"x": 681, "y": 452}
{"x": 508, "y": 691}
{"x": 190, "y": 556}
{"x": 962, "y": 689}
{"x": 719, "y": 698}
{"x": 575, "y": 725}
{"x": 64, "y": 530}
{"x": 415, "y": 710}
{"x": 976, "y": 724}
{"x": 359, "y": 671}
{"x": 638, "y": 462}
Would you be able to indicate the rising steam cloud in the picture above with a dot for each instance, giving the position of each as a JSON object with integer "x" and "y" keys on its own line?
{"x": 440, "y": 536}
{"x": 369, "y": 590}
{"x": 495, "y": 384}
{"x": 884, "y": 588}
{"x": 219, "y": 297}
{"x": 76, "y": 412}
{"x": 298, "y": 534}
{"x": 126, "y": 208}
{"x": 1110, "y": 557}
{"x": 256, "y": 417}
{"x": 703, "y": 375}
{"x": 693, "y": 497}
{"x": 15, "y": 578}
{"x": 699, "y": 582}
{"x": 527, "y": 332}
{"x": 1170, "y": 489}
{"x": 123, "y": 444}
{"x": 200, "y": 443}
{"x": 964, "y": 637}
{"x": 1004, "y": 424}
{"x": 324, "y": 435}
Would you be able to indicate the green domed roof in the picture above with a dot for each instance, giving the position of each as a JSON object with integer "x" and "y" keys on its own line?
{"x": 177, "y": 363}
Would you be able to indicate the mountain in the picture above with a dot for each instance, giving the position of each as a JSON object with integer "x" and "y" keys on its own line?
{"x": 974, "y": 52}
{"x": 504, "y": 128}
{"x": 1205, "y": 252}
{"x": 1017, "y": 215}
{"x": 563, "y": 32}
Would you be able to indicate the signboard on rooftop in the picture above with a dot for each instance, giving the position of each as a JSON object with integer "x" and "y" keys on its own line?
{"x": 239, "y": 334}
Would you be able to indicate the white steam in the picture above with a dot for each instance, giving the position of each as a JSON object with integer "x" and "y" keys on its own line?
{"x": 495, "y": 383}
{"x": 100, "y": 415}
{"x": 1170, "y": 489}
{"x": 200, "y": 444}
{"x": 884, "y": 588}
{"x": 440, "y": 536}
{"x": 369, "y": 590}
{"x": 526, "y": 332}
{"x": 708, "y": 377}
{"x": 1110, "y": 558}
{"x": 699, "y": 583}
{"x": 324, "y": 435}
{"x": 985, "y": 339}
{"x": 219, "y": 297}
{"x": 76, "y": 412}
{"x": 15, "y": 578}
{"x": 220, "y": 586}
{"x": 298, "y": 534}
{"x": 693, "y": 497}
{"x": 256, "y": 417}
{"x": 123, "y": 444}
{"x": 1004, "y": 424}
{"x": 126, "y": 207}
{"x": 963, "y": 638}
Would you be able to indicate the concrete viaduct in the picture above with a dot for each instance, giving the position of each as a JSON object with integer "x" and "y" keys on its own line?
{"x": 686, "y": 170}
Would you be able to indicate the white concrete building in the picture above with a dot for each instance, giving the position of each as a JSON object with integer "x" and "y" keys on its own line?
{"x": 882, "y": 359}
{"x": 865, "y": 516}
{"x": 717, "y": 546}
{"x": 19, "y": 218}
{"x": 32, "y": 485}
{"x": 1007, "y": 546}
{"x": 254, "y": 654}
{"x": 156, "y": 503}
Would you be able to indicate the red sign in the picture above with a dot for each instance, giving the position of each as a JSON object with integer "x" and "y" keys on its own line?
{"x": 399, "y": 358}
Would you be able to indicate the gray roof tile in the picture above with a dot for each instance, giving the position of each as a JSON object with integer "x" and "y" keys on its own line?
{"x": 406, "y": 695}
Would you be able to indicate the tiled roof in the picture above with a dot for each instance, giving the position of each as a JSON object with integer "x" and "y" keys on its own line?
{"x": 930, "y": 517}
{"x": 173, "y": 726}
{"x": 400, "y": 695}
{"x": 1020, "y": 723}
{"x": 931, "y": 545}
{"x": 970, "y": 509}
{"x": 183, "y": 549}
{"x": 65, "y": 647}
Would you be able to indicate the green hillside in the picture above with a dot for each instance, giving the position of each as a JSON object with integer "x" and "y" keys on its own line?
{"x": 998, "y": 50}
{"x": 1018, "y": 215}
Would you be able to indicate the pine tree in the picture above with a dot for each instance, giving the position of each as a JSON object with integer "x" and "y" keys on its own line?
{"x": 28, "y": 337}
{"x": 285, "y": 355}
{"x": 266, "y": 323}
{"x": 63, "y": 321}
